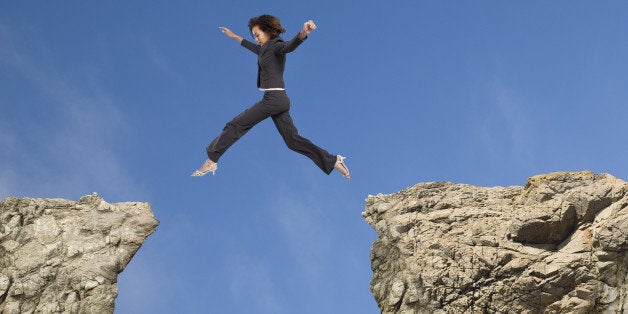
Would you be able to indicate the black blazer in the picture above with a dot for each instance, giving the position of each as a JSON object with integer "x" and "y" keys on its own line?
{"x": 272, "y": 60}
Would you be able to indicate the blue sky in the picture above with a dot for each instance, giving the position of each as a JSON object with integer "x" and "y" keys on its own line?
{"x": 122, "y": 98}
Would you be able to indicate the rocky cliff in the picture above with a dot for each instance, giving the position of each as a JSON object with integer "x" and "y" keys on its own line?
{"x": 59, "y": 256}
{"x": 556, "y": 245}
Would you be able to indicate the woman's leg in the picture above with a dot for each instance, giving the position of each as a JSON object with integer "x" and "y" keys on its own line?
{"x": 299, "y": 144}
{"x": 232, "y": 131}
{"x": 236, "y": 128}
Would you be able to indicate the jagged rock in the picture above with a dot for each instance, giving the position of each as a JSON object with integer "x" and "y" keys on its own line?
{"x": 59, "y": 256}
{"x": 556, "y": 245}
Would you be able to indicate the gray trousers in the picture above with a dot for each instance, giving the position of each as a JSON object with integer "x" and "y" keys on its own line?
{"x": 276, "y": 105}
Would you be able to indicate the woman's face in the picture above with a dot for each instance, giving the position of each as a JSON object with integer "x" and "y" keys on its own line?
{"x": 259, "y": 35}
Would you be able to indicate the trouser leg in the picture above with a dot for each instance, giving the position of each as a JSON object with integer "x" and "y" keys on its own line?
{"x": 236, "y": 128}
{"x": 299, "y": 144}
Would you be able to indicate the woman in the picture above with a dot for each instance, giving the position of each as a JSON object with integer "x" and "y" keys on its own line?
{"x": 271, "y": 50}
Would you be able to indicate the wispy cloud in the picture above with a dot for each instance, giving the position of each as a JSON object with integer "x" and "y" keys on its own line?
{"x": 301, "y": 222}
{"x": 72, "y": 150}
{"x": 157, "y": 57}
{"x": 504, "y": 128}
{"x": 300, "y": 228}
{"x": 4, "y": 189}
{"x": 511, "y": 109}
{"x": 251, "y": 280}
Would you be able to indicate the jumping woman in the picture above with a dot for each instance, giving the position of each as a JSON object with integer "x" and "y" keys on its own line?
{"x": 271, "y": 50}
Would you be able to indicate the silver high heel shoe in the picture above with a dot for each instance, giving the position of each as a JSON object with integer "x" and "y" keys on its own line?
{"x": 342, "y": 167}
{"x": 212, "y": 168}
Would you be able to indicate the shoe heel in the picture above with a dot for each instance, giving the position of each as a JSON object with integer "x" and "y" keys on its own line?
{"x": 212, "y": 169}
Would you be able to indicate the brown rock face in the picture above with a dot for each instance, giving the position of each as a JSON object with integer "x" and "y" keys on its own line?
{"x": 59, "y": 256}
{"x": 556, "y": 245}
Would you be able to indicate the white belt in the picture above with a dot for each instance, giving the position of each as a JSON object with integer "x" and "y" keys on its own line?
{"x": 274, "y": 88}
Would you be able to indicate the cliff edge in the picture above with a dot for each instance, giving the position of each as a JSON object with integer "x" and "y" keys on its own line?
{"x": 59, "y": 256}
{"x": 556, "y": 245}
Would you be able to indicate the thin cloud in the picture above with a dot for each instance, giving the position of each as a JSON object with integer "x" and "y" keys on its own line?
{"x": 70, "y": 151}
{"x": 251, "y": 280}
{"x": 504, "y": 128}
{"x": 4, "y": 189}
{"x": 157, "y": 57}
{"x": 511, "y": 110}
{"x": 302, "y": 223}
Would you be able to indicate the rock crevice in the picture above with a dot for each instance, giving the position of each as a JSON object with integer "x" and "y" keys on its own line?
{"x": 557, "y": 244}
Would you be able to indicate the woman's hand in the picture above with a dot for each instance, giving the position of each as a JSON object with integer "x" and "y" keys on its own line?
{"x": 229, "y": 33}
{"x": 308, "y": 27}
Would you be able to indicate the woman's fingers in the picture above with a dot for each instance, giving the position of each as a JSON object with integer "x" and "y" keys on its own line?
{"x": 225, "y": 30}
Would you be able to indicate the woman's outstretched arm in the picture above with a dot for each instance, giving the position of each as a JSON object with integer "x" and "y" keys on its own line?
{"x": 245, "y": 43}
{"x": 292, "y": 44}
{"x": 231, "y": 34}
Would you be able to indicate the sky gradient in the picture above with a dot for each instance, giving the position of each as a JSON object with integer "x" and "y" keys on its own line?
{"x": 122, "y": 98}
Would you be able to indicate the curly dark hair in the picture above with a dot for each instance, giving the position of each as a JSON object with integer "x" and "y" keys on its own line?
{"x": 268, "y": 24}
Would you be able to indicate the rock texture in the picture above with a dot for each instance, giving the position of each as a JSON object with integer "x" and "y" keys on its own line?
{"x": 556, "y": 245}
{"x": 59, "y": 256}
